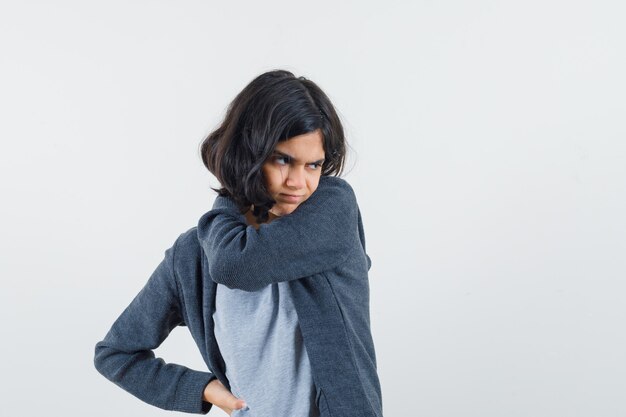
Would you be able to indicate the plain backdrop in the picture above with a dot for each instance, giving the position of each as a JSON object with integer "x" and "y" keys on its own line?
{"x": 487, "y": 152}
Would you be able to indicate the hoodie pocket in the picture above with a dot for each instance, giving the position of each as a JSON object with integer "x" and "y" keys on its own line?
{"x": 322, "y": 405}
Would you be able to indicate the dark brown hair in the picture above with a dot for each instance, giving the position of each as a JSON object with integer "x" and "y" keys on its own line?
{"x": 273, "y": 107}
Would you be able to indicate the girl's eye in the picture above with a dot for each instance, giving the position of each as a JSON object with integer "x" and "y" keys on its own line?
{"x": 282, "y": 160}
{"x": 279, "y": 158}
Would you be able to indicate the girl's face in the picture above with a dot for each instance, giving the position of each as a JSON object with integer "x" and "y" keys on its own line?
{"x": 293, "y": 171}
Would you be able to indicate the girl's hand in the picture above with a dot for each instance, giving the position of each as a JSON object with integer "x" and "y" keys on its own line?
{"x": 217, "y": 394}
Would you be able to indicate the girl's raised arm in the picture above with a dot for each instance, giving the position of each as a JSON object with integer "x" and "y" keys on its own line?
{"x": 317, "y": 236}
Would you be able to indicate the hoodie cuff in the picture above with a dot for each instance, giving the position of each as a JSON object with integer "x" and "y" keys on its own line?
{"x": 190, "y": 392}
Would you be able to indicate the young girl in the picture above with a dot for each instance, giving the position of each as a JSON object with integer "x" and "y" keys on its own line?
{"x": 273, "y": 281}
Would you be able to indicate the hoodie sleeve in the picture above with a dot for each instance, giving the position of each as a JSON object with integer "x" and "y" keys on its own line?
{"x": 125, "y": 355}
{"x": 317, "y": 236}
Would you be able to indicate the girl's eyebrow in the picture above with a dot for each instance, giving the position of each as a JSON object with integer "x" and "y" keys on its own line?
{"x": 319, "y": 161}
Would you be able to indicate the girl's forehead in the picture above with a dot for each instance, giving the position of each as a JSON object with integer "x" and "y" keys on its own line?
{"x": 308, "y": 144}
{"x": 308, "y": 152}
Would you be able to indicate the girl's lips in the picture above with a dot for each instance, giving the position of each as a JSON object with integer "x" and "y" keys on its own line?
{"x": 291, "y": 198}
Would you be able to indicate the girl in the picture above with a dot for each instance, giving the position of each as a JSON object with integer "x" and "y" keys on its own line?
{"x": 273, "y": 281}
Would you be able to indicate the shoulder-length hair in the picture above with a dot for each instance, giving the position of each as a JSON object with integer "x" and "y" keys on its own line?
{"x": 273, "y": 107}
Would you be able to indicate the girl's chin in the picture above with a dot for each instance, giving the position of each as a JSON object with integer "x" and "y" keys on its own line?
{"x": 281, "y": 209}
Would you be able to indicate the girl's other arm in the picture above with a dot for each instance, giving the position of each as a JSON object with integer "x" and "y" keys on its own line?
{"x": 125, "y": 355}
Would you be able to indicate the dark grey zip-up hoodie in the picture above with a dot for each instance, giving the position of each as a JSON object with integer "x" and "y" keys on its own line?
{"x": 319, "y": 249}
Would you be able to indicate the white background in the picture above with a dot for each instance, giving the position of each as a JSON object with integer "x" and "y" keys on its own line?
{"x": 487, "y": 153}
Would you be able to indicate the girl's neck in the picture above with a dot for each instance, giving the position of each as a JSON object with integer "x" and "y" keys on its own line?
{"x": 252, "y": 220}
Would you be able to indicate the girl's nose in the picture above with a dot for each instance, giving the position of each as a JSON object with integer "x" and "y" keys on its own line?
{"x": 295, "y": 178}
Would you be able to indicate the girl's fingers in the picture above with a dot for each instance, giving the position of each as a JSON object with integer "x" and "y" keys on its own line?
{"x": 238, "y": 403}
{"x": 220, "y": 396}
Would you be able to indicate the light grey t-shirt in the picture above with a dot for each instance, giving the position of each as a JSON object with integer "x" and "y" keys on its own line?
{"x": 266, "y": 362}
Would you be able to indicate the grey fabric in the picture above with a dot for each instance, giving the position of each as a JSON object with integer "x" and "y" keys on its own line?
{"x": 259, "y": 338}
{"x": 318, "y": 250}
